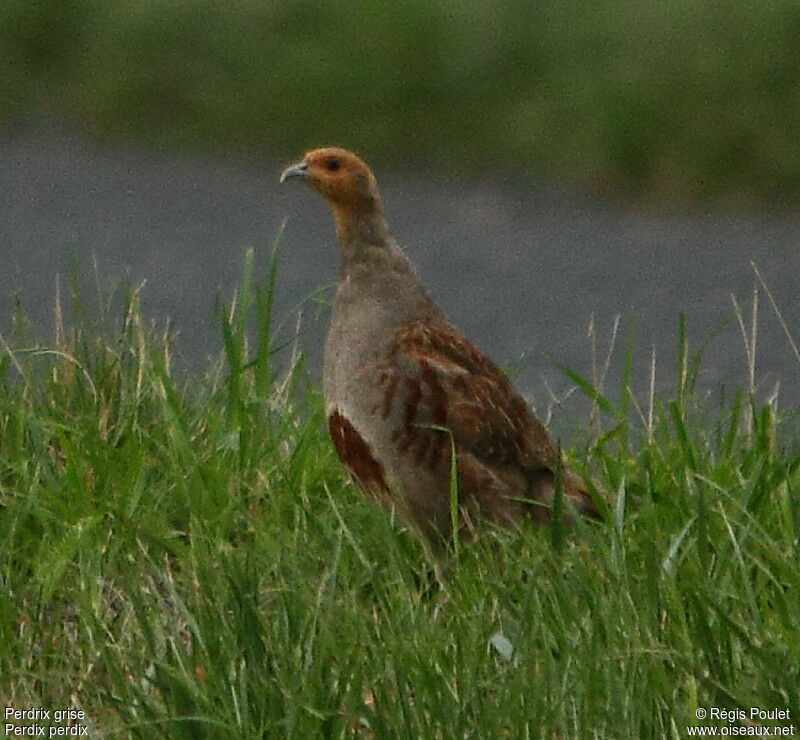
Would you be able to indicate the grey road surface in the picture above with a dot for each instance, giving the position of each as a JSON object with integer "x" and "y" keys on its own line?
{"x": 519, "y": 266}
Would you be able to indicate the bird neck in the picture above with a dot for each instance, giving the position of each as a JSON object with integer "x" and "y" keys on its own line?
{"x": 360, "y": 226}
{"x": 376, "y": 273}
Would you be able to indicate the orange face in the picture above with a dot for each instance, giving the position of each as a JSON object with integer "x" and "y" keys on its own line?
{"x": 338, "y": 175}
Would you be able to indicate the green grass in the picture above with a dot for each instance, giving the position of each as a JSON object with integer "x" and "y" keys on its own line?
{"x": 183, "y": 558}
{"x": 673, "y": 99}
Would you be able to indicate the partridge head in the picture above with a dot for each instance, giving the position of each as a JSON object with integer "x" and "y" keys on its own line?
{"x": 405, "y": 390}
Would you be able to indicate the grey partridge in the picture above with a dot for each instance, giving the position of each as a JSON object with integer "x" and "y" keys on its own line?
{"x": 404, "y": 389}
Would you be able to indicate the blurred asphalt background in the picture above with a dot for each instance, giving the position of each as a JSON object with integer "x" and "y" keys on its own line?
{"x": 519, "y": 265}
{"x": 542, "y": 163}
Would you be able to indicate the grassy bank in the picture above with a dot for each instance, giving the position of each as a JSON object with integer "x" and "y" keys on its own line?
{"x": 671, "y": 99}
{"x": 185, "y": 559}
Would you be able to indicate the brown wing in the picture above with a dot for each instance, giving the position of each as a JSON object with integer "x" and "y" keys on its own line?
{"x": 357, "y": 457}
{"x": 503, "y": 451}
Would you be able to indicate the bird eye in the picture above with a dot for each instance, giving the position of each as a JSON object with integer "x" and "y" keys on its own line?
{"x": 332, "y": 165}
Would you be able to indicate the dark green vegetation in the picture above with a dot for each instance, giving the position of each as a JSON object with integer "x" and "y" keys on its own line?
{"x": 676, "y": 99}
{"x": 186, "y": 560}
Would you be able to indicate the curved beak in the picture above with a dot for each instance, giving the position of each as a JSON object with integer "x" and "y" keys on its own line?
{"x": 296, "y": 170}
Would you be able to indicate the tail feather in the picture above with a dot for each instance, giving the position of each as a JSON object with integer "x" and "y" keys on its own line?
{"x": 584, "y": 504}
{"x": 541, "y": 487}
